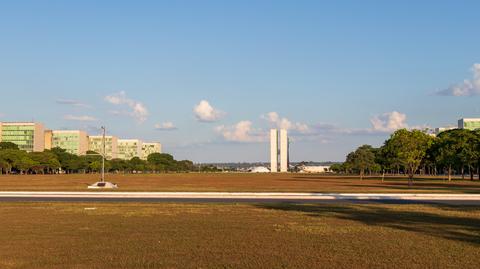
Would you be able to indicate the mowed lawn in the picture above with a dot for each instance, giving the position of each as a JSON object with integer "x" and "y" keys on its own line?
{"x": 238, "y": 182}
{"x": 169, "y": 235}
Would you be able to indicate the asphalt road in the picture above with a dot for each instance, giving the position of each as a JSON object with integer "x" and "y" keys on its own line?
{"x": 217, "y": 197}
{"x": 219, "y": 200}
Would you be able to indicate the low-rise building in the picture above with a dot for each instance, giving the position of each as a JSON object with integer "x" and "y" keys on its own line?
{"x": 73, "y": 141}
{"x": 314, "y": 169}
{"x": 129, "y": 148}
{"x": 150, "y": 148}
{"x": 443, "y": 129}
{"x": 95, "y": 143}
{"x": 28, "y": 136}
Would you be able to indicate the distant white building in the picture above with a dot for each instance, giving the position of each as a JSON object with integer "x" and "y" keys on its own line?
{"x": 259, "y": 169}
{"x": 315, "y": 169}
{"x": 443, "y": 129}
{"x": 274, "y": 150}
{"x": 283, "y": 152}
{"x": 150, "y": 148}
{"x": 111, "y": 145}
{"x": 129, "y": 148}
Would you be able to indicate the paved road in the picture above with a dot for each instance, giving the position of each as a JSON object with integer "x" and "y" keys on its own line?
{"x": 222, "y": 197}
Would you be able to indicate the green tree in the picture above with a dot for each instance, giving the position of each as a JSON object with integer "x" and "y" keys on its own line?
{"x": 137, "y": 164}
{"x": 336, "y": 167}
{"x": 8, "y": 145}
{"x": 185, "y": 166}
{"x": 409, "y": 148}
{"x": 362, "y": 159}
{"x": 95, "y": 166}
{"x": 118, "y": 165}
{"x": 47, "y": 161}
{"x": 11, "y": 159}
{"x": 445, "y": 151}
{"x": 162, "y": 162}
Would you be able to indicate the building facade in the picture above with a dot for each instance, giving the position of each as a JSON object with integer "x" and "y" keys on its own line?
{"x": 284, "y": 151}
{"x": 28, "y": 136}
{"x": 281, "y": 140}
{"x": 74, "y": 142}
{"x": 274, "y": 150}
{"x": 129, "y": 148}
{"x": 95, "y": 143}
{"x": 150, "y": 148}
{"x": 48, "y": 139}
{"x": 469, "y": 123}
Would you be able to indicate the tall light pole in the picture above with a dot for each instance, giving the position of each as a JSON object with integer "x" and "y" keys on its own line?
{"x": 104, "y": 148}
{"x": 103, "y": 184}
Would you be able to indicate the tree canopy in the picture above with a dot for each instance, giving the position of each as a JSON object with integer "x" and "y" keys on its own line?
{"x": 414, "y": 151}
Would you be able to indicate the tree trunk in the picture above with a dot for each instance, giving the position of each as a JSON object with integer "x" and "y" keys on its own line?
{"x": 471, "y": 172}
{"x": 449, "y": 173}
{"x": 410, "y": 177}
{"x": 361, "y": 174}
{"x": 463, "y": 173}
{"x": 383, "y": 175}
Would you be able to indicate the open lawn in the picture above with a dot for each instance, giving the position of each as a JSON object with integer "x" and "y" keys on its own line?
{"x": 168, "y": 235}
{"x": 238, "y": 182}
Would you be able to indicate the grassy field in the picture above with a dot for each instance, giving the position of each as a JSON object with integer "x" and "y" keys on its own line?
{"x": 238, "y": 182}
{"x": 109, "y": 235}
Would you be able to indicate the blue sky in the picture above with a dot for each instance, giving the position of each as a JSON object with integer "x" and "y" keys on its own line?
{"x": 209, "y": 78}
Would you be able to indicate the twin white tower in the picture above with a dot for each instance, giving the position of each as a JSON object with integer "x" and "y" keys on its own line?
{"x": 283, "y": 152}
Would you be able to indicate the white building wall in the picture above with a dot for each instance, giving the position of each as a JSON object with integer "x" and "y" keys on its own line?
{"x": 284, "y": 151}
{"x": 274, "y": 150}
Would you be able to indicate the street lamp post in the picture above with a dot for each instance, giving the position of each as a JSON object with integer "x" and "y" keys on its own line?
{"x": 103, "y": 184}
{"x": 104, "y": 147}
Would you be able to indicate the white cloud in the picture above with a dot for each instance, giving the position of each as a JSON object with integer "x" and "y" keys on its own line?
{"x": 467, "y": 87}
{"x": 389, "y": 122}
{"x": 137, "y": 109}
{"x": 382, "y": 124}
{"x": 79, "y": 118}
{"x": 204, "y": 112}
{"x": 71, "y": 102}
{"x": 283, "y": 123}
{"x": 240, "y": 132}
{"x": 165, "y": 126}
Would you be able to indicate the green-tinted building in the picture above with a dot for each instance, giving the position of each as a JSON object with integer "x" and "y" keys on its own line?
{"x": 111, "y": 145}
{"x": 74, "y": 142}
{"x": 129, "y": 148}
{"x": 469, "y": 124}
{"x": 29, "y": 136}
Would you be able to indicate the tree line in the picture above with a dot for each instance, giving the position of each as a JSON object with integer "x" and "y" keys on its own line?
{"x": 56, "y": 160}
{"x": 412, "y": 152}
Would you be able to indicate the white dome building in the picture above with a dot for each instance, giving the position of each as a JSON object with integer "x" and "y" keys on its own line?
{"x": 259, "y": 169}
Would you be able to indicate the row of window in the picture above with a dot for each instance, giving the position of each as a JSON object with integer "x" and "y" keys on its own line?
{"x": 18, "y": 128}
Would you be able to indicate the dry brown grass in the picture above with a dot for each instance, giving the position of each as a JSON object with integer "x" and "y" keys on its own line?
{"x": 237, "y": 182}
{"x": 61, "y": 235}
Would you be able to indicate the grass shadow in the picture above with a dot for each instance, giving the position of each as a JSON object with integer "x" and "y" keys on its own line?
{"x": 464, "y": 229}
{"x": 467, "y": 189}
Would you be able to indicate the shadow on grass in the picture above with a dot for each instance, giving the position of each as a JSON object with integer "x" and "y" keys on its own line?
{"x": 467, "y": 189}
{"x": 464, "y": 229}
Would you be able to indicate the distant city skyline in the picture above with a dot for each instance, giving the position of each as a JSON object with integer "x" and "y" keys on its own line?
{"x": 210, "y": 79}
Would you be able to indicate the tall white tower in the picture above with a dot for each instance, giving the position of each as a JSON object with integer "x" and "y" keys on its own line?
{"x": 284, "y": 151}
{"x": 274, "y": 150}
